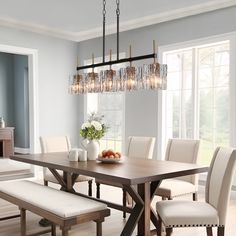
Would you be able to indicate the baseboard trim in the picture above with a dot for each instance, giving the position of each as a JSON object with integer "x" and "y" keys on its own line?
{"x": 22, "y": 150}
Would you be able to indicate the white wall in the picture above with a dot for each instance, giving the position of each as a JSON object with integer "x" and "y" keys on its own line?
{"x": 56, "y": 60}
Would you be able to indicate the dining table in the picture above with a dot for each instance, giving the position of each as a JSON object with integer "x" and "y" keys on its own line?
{"x": 139, "y": 177}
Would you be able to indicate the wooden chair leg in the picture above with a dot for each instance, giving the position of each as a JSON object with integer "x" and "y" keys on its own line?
{"x": 124, "y": 203}
{"x": 220, "y": 231}
{"x": 159, "y": 226}
{"x": 209, "y": 231}
{"x": 23, "y": 221}
{"x": 169, "y": 231}
{"x": 195, "y": 196}
{"x": 98, "y": 190}
{"x": 45, "y": 182}
{"x": 90, "y": 185}
{"x": 53, "y": 229}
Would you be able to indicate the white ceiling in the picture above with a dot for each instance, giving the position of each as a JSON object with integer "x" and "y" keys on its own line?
{"x": 81, "y": 19}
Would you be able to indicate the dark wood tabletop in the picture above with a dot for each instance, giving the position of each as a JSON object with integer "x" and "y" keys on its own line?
{"x": 128, "y": 171}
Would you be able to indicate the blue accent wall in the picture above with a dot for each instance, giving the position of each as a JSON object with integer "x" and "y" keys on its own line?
{"x": 14, "y": 107}
{"x": 6, "y": 85}
{"x": 21, "y": 101}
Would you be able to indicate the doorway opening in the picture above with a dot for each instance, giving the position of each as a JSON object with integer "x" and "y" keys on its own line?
{"x": 24, "y": 111}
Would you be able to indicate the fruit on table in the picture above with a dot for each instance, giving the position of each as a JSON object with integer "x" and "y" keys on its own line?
{"x": 110, "y": 154}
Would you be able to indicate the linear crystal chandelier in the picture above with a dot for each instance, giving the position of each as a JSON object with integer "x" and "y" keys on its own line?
{"x": 148, "y": 76}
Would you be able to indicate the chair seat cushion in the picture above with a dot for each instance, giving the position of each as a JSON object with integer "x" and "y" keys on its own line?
{"x": 177, "y": 213}
{"x": 174, "y": 188}
{"x": 58, "y": 202}
{"x": 48, "y": 176}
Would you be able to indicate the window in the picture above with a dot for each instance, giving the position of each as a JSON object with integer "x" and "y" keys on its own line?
{"x": 112, "y": 106}
{"x": 197, "y": 100}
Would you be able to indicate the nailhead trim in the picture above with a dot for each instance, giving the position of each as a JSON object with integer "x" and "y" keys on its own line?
{"x": 195, "y": 225}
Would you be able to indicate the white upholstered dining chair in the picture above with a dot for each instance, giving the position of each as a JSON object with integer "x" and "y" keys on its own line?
{"x": 138, "y": 147}
{"x": 212, "y": 212}
{"x": 59, "y": 144}
{"x": 180, "y": 150}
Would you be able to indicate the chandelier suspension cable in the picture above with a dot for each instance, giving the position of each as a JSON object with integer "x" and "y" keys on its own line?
{"x": 110, "y": 57}
{"x": 130, "y": 55}
{"x": 104, "y": 30}
{"x": 154, "y": 50}
{"x": 93, "y": 62}
{"x": 117, "y": 27}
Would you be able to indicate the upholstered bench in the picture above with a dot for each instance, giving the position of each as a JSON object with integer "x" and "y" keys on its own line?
{"x": 60, "y": 208}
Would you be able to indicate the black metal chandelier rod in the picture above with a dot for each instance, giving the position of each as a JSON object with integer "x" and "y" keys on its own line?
{"x": 129, "y": 59}
{"x": 104, "y": 30}
{"x": 117, "y": 28}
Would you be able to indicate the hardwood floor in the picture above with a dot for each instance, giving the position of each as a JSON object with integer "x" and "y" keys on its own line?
{"x": 113, "y": 224}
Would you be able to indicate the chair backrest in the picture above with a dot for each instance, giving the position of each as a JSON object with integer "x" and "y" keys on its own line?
{"x": 55, "y": 144}
{"x": 183, "y": 150}
{"x": 140, "y": 147}
{"x": 219, "y": 180}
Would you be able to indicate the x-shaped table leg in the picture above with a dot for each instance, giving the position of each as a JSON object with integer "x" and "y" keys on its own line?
{"x": 66, "y": 181}
{"x": 142, "y": 212}
{"x": 136, "y": 212}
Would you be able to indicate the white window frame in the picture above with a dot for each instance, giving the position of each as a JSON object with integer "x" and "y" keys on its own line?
{"x": 231, "y": 37}
{"x": 99, "y": 59}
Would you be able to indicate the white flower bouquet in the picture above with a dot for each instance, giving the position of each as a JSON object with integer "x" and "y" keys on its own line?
{"x": 93, "y": 128}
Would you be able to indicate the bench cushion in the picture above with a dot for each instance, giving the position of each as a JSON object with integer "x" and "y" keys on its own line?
{"x": 55, "y": 201}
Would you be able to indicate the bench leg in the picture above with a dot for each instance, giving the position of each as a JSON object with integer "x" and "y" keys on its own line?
{"x": 45, "y": 182}
{"x": 53, "y": 229}
{"x": 99, "y": 227}
{"x": 65, "y": 231}
{"x": 90, "y": 185}
{"x": 23, "y": 221}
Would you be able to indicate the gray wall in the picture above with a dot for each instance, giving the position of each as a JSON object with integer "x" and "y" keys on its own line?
{"x": 141, "y": 107}
{"x": 58, "y": 114}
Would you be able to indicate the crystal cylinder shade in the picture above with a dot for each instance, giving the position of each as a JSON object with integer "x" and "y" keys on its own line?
{"x": 148, "y": 77}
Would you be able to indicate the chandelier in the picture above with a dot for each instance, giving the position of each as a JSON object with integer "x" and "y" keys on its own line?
{"x": 149, "y": 76}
